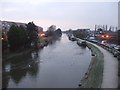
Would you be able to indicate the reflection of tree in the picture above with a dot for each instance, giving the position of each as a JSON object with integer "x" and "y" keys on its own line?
{"x": 18, "y": 74}
{"x": 84, "y": 47}
{"x": 33, "y": 70}
{"x": 5, "y": 77}
{"x": 5, "y": 80}
{"x": 20, "y": 66}
{"x": 53, "y": 34}
{"x": 34, "y": 66}
{"x": 53, "y": 40}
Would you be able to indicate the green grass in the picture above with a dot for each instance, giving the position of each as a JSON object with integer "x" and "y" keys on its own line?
{"x": 95, "y": 75}
{"x": 97, "y": 72}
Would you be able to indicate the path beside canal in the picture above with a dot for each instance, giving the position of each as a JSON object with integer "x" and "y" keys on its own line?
{"x": 110, "y": 72}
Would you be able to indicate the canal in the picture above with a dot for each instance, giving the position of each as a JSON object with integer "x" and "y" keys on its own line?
{"x": 61, "y": 64}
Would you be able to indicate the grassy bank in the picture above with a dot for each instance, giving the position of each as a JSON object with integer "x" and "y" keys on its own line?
{"x": 93, "y": 77}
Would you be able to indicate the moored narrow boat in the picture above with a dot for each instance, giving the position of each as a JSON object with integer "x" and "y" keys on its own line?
{"x": 82, "y": 43}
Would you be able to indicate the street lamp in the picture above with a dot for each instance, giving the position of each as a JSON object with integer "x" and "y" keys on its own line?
{"x": 102, "y": 36}
{"x": 42, "y": 34}
{"x": 107, "y": 36}
{"x": 2, "y": 38}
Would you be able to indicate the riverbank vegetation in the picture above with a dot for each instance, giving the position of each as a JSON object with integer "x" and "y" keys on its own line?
{"x": 93, "y": 77}
{"x": 20, "y": 39}
{"x": 81, "y": 33}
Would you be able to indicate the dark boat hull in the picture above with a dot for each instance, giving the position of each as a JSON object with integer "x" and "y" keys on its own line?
{"x": 82, "y": 44}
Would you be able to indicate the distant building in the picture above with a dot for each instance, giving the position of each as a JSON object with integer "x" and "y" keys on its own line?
{"x": 7, "y": 24}
{"x": 110, "y": 36}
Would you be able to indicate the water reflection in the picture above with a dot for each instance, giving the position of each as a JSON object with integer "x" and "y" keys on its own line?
{"x": 63, "y": 65}
{"x": 17, "y": 68}
{"x": 53, "y": 41}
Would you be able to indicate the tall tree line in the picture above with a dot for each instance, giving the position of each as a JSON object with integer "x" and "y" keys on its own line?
{"x": 20, "y": 37}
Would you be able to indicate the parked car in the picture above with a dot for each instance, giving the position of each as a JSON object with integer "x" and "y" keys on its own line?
{"x": 103, "y": 42}
{"x": 117, "y": 47}
{"x": 115, "y": 54}
{"x": 112, "y": 46}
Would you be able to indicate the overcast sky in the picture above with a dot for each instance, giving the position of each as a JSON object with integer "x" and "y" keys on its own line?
{"x": 65, "y": 14}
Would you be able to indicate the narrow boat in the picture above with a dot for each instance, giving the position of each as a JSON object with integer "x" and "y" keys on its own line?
{"x": 82, "y": 43}
{"x": 72, "y": 38}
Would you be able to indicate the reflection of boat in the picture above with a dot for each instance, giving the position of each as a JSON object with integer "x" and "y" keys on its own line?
{"x": 72, "y": 38}
{"x": 82, "y": 43}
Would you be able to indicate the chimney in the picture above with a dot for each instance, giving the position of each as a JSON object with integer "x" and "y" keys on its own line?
{"x": 106, "y": 27}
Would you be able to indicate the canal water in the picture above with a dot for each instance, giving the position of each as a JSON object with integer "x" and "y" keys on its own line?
{"x": 61, "y": 64}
